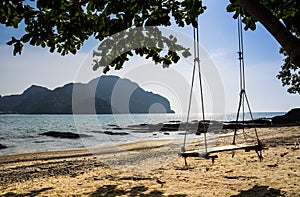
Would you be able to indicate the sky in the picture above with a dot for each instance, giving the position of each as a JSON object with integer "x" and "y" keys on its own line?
{"x": 219, "y": 61}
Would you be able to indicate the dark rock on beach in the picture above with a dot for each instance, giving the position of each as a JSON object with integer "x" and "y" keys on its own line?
{"x": 292, "y": 118}
{"x": 69, "y": 135}
{"x": 260, "y": 122}
{"x": 117, "y": 128}
{"x": 2, "y": 146}
{"x": 112, "y": 125}
{"x": 115, "y": 133}
{"x": 170, "y": 127}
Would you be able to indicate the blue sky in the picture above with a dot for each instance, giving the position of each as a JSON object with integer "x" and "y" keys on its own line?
{"x": 218, "y": 40}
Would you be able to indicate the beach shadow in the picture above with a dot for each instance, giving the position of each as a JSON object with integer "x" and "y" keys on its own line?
{"x": 30, "y": 194}
{"x": 108, "y": 190}
{"x": 112, "y": 191}
{"x": 274, "y": 142}
{"x": 260, "y": 191}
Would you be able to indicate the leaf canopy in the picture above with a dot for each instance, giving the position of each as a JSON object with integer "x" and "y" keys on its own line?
{"x": 64, "y": 25}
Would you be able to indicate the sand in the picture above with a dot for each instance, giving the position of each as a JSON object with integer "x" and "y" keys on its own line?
{"x": 152, "y": 168}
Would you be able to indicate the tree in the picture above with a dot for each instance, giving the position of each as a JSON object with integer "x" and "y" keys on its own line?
{"x": 64, "y": 25}
{"x": 281, "y": 19}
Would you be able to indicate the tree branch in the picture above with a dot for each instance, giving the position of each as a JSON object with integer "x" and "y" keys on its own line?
{"x": 284, "y": 37}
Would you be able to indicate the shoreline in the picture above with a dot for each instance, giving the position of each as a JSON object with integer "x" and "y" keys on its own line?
{"x": 154, "y": 132}
{"x": 80, "y": 173}
{"x": 81, "y": 152}
{"x": 44, "y": 138}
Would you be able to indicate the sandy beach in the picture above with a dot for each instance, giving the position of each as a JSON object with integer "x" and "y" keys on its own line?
{"x": 153, "y": 168}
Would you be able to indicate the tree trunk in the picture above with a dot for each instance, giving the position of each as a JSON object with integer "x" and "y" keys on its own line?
{"x": 285, "y": 38}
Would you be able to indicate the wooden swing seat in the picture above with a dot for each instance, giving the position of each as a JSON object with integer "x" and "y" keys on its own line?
{"x": 204, "y": 154}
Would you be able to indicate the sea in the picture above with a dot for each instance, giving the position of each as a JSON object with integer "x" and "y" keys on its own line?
{"x": 21, "y": 133}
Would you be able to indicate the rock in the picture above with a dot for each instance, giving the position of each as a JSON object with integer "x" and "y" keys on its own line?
{"x": 69, "y": 135}
{"x": 2, "y": 146}
{"x": 112, "y": 125}
{"x": 117, "y": 128}
{"x": 260, "y": 122}
{"x": 115, "y": 133}
{"x": 175, "y": 121}
{"x": 292, "y": 117}
{"x": 170, "y": 127}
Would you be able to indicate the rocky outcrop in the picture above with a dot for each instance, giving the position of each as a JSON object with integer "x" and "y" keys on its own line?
{"x": 290, "y": 118}
{"x": 2, "y": 146}
{"x": 260, "y": 122}
{"x": 115, "y": 133}
{"x": 69, "y": 135}
{"x": 170, "y": 126}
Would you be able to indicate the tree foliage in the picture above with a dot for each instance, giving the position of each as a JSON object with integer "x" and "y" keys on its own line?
{"x": 64, "y": 25}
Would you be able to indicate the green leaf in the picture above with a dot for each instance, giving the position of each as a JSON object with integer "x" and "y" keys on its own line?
{"x": 26, "y": 38}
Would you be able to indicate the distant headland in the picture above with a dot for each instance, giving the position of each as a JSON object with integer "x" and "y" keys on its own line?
{"x": 102, "y": 95}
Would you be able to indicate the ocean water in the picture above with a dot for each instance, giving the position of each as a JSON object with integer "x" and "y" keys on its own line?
{"x": 21, "y": 133}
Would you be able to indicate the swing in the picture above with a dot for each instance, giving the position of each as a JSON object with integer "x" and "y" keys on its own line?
{"x": 208, "y": 151}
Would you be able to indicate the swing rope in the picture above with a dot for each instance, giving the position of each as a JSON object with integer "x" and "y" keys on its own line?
{"x": 197, "y": 61}
{"x": 196, "y": 64}
{"x": 189, "y": 109}
{"x": 243, "y": 100}
{"x": 243, "y": 95}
